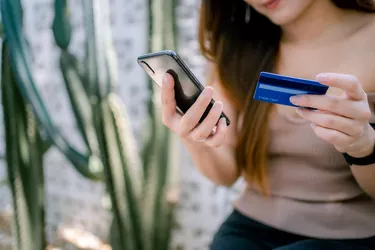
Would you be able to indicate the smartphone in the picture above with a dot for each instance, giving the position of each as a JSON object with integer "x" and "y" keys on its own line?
{"x": 187, "y": 86}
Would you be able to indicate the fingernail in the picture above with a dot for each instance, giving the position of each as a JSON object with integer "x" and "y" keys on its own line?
{"x": 167, "y": 80}
{"x": 223, "y": 121}
{"x": 322, "y": 77}
{"x": 218, "y": 103}
{"x": 207, "y": 92}
{"x": 294, "y": 99}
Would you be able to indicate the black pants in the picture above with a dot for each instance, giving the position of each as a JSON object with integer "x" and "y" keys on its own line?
{"x": 239, "y": 232}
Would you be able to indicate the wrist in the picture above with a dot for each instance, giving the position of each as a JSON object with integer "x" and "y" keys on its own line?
{"x": 368, "y": 146}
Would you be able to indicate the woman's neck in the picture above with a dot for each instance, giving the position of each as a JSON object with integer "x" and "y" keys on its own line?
{"x": 322, "y": 22}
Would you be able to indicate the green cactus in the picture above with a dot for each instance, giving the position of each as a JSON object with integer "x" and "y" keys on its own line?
{"x": 60, "y": 23}
{"x": 111, "y": 135}
{"x": 11, "y": 14}
{"x": 24, "y": 155}
{"x": 142, "y": 188}
{"x": 149, "y": 227}
{"x": 161, "y": 190}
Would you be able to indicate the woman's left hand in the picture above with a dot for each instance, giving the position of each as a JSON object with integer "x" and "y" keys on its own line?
{"x": 342, "y": 120}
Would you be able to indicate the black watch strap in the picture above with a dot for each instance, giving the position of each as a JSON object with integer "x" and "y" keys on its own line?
{"x": 364, "y": 161}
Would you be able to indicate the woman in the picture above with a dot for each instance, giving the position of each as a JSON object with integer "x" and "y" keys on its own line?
{"x": 310, "y": 173}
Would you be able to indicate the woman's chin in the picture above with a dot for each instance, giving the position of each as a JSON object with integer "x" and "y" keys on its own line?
{"x": 281, "y": 19}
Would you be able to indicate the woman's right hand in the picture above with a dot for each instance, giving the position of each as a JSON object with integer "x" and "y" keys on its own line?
{"x": 209, "y": 131}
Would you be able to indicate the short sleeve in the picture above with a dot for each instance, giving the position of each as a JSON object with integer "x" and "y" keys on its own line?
{"x": 371, "y": 100}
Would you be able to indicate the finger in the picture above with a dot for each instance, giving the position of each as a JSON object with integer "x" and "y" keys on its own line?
{"x": 347, "y": 126}
{"x": 352, "y": 109}
{"x": 192, "y": 116}
{"x": 204, "y": 129}
{"x": 169, "y": 115}
{"x": 334, "y": 137}
{"x": 348, "y": 83}
{"x": 218, "y": 138}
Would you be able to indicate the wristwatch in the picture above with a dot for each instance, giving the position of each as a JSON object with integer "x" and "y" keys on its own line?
{"x": 363, "y": 161}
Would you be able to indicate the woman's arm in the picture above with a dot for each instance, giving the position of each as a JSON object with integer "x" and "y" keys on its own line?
{"x": 217, "y": 163}
{"x": 365, "y": 175}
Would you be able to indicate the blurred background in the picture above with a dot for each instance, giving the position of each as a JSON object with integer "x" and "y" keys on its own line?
{"x": 77, "y": 210}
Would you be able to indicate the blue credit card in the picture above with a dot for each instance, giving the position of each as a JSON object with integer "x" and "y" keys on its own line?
{"x": 278, "y": 89}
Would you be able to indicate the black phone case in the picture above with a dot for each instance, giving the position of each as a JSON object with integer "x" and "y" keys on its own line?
{"x": 157, "y": 64}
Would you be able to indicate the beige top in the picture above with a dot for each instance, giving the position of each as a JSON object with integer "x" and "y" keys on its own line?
{"x": 313, "y": 190}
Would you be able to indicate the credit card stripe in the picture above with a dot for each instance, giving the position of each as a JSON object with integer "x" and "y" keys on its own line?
{"x": 289, "y": 78}
{"x": 281, "y": 89}
{"x": 306, "y": 86}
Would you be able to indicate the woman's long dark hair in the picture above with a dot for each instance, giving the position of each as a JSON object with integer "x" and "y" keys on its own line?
{"x": 241, "y": 43}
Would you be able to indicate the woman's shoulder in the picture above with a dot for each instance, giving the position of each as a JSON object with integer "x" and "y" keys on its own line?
{"x": 366, "y": 52}
{"x": 365, "y": 26}
{"x": 371, "y": 25}
{"x": 371, "y": 49}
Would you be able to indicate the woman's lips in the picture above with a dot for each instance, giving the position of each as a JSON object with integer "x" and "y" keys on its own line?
{"x": 271, "y": 4}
